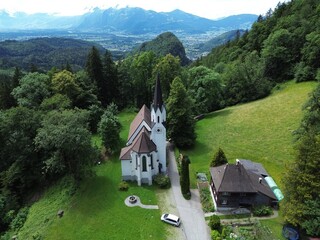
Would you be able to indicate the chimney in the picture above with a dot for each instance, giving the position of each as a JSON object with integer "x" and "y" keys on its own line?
{"x": 237, "y": 161}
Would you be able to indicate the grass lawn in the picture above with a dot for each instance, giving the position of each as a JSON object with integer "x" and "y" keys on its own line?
{"x": 97, "y": 209}
{"x": 261, "y": 131}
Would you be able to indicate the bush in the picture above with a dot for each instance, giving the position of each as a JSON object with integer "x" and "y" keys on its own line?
{"x": 215, "y": 235}
{"x": 20, "y": 219}
{"x": 163, "y": 181}
{"x": 123, "y": 186}
{"x": 214, "y": 222}
{"x": 261, "y": 211}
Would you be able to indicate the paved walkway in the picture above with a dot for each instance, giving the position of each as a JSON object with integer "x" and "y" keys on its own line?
{"x": 139, "y": 204}
{"x": 190, "y": 211}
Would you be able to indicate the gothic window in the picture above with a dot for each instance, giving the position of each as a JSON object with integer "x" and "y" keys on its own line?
{"x": 158, "y": 119}
{"x": 136, "y": 162}
{"x": 144, "y": 164}
{"x": 151, "y": 160}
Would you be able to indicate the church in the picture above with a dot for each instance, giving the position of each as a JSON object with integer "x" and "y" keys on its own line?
{"x": 144, "y": 155}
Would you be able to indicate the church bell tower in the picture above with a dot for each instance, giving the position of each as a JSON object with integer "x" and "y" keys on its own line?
{"x": 158, "y": 131}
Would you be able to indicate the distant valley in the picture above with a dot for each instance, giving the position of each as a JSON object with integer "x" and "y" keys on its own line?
{"x": 121, "y": 30}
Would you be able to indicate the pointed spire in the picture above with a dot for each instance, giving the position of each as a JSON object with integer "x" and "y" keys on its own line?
{"x": 157, "y": 101}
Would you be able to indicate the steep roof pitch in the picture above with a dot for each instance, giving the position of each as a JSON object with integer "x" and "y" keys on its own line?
{"x": 253, "y": 167}
{"x": 231, "y": 178}
{"x": 157, "y": 100}
{"x": 143, "y": 144}
{"x": 143, "y": 115}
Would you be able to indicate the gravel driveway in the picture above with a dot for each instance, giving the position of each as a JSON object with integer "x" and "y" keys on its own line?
{"x": 190, "y": 211}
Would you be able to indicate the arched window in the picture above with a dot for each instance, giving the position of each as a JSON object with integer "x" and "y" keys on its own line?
{"x": 158, "y": 119}
{"x": 144, "y": 164}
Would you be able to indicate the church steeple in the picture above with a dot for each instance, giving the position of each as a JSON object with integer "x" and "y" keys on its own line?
{"x": 157, "y": 101}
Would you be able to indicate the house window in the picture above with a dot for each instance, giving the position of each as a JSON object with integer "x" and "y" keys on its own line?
{"x": 224, "y": 202}
{"x": 151, "y": 160}
{"x": 144, "y": 164}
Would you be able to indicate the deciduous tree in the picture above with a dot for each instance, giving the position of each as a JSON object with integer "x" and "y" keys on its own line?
{"x": 180, "y": 121}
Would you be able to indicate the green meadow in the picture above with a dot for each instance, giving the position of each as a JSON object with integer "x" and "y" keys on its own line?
{"x": 261, "y": 131}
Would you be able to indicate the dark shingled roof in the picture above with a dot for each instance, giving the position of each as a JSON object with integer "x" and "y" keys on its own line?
{"x": 238, "y": 179}
{"x": 231, "y": 178}
{"x": 143, "y": 115}
{"x": 254, "y": 167}
{"x": 143, "y": 144}
{"x": 157, "y": 100}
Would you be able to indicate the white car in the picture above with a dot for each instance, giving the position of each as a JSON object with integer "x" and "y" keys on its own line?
{"x": 171, "y": 219}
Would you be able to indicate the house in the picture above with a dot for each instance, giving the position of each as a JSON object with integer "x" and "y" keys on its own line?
{"x": 245, "y": 183}
{"x": 144, "y": 155}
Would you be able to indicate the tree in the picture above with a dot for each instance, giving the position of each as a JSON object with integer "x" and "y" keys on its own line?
{"x": 168, "y": 68}
{"x": 20, "y": 165}
{"x": 94, "y": 70}
{"x": 245, "y": 80}
{"x": 33, "y": 88}
{"x": 109, "y": 130}
{"x": 311, "y": 119}
{"x": 218, "y": 159}
{"x": 66, "y": 142}
{"x": 110, "y": 74}
{"x": 302, "y": 180}
{"x": 56, "y": 102}
{"x": 64, "y": 82}
{"x": 311, "y": 222}
{"x": 142, "y": 73}
{"x": 180, "y": 121}
{"x": 278, "y": 55}
{"x": 205, "y": 89}
{"x": 185, "y": 177}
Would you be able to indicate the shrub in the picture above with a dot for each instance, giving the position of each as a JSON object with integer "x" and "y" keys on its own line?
{"x": 215, "y": 235}
{"x": 123, "y": 186}
{"x": 20, "y": 219}
{"x": 261, "y": 211}
{"x": 163, "y": 181}
{"x": 214, "y": 222}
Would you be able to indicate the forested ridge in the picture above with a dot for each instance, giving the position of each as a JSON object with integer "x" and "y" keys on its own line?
{"x": 47, "y": 118}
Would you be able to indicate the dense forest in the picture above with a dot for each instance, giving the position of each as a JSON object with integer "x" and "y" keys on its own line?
{"x": 47, "y": 118}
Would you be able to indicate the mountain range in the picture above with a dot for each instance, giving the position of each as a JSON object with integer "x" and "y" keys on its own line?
{"x": 125, "y": 20}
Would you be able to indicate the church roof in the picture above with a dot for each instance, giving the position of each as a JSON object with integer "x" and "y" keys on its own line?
{"x": 157, "y": 100}
{"x": 143, "y": 115}
{"x": 143, "y": 144}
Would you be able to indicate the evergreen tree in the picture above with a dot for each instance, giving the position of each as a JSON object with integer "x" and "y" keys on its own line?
{"x": 94, "y": 69}
{"x": 110, "y": 74}
{"x": 218, "y": 159}
{"x": 185, "y": 177}
{"x": 180, "y": 121}
{"x": 302, "y": 179}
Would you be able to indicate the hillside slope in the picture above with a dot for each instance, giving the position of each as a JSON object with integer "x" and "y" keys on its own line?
{"x": 45, "y": 53}
{"x": 164, "y": 44}
{"x": 261, "y": 131}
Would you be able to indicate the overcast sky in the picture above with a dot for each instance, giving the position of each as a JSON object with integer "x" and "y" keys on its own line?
{"x": 211, "y": 9}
